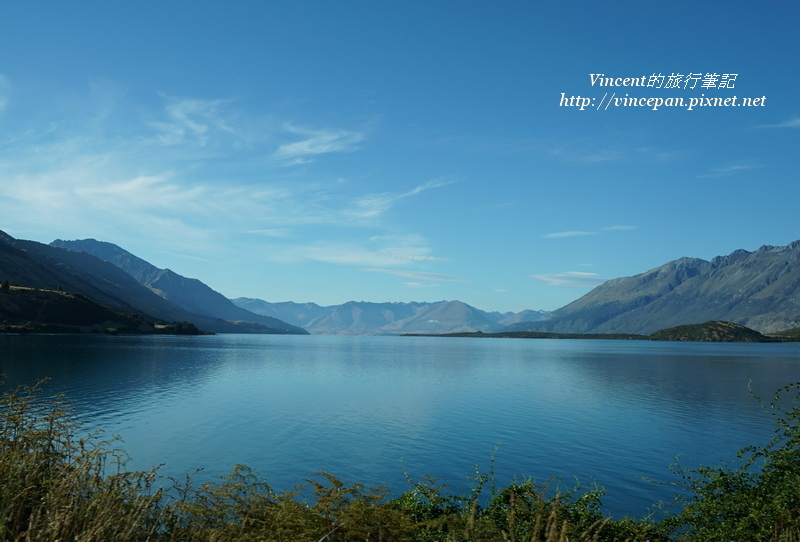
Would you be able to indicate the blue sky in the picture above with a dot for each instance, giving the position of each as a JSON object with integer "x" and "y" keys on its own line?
{"x": 396, "y": 151}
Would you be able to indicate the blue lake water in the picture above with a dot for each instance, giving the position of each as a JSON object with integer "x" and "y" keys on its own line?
{"x": 369, "y": 408}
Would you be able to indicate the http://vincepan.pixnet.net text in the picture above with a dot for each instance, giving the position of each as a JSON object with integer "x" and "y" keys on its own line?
{"x": 690, "y": 91}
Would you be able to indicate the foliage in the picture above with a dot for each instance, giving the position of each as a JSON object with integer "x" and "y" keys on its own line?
{"x": 179, "y": 328}
{"x": 57, "y": 483}
{"x": 58, "y": 486}
{"x": 759, "y": 499}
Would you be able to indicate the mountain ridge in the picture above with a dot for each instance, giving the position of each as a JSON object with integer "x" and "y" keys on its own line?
{"x": 758, "y": 289}
{"x": 40, "y": 266}
{"x": 189, "y": 294}
{"x": 392, "y": 318}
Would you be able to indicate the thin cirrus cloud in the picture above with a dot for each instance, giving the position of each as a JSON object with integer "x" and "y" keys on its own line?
{"x": 727, "y": 170}
{"x": 83, "y": 175}
{"x": 579, "y": 233}
{"x": 148, "y": 180}
{"x": 271, "y": 232}
{"x": 563, "y": 234}
{"x": 194, "y": 121}
{"x": 316, "y": 142}
{"x": 591, "y": 152}
{"x": 417, "y": 275}
{"x": 574, "y": 279}
{"x": 791, "y": 123}
{"x": 374, "y": 205}
{"x": 353, "y": 253}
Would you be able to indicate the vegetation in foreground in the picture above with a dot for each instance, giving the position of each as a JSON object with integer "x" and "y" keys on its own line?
{"x": 58, "y": 485}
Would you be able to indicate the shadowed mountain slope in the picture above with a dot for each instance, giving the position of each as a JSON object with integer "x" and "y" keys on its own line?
{"x": 188, "y": 294}
{"x": 40, "y": 266}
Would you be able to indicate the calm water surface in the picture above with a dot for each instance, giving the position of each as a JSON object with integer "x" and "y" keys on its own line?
{"x": 368, "y": 408}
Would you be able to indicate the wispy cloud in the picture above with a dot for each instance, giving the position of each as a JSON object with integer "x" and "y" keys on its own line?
{"x": 192, "y": 120}
{"x": 578, "y": 154}
{"x": 416, "y": 258}
{"x": 316, "y": 142}
{"x": 574, "y": 279}
{"x": 600, "y": 151}
{"x": 563, "y": 234}
{"x": 580, "y": 233}
{"x": 136, "y": 179}
{"x": 417, "y": 275}
{"x": 374, "y": 205}
{"x": 271, "y": 232}
{"x": 727, "y": 170}
{"x": 383, "y": 253}
{"x": 791, "y": 123}
{"x": 194, "y": 177}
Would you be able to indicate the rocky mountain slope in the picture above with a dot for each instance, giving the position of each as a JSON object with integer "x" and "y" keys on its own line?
{"x": 759, "y": 289}
{"x": 189, "y": 294}
{"x": 40, "y": 266}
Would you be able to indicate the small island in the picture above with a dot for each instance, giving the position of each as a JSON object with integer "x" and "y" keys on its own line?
{"x": 712, "y": 331}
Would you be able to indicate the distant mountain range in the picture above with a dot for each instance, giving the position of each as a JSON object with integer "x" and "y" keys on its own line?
{"x": 760, "y": 290}
{"x": 361, "y": 317}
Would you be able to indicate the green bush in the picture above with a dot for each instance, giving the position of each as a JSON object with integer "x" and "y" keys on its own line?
{"x": 757, "y": 499}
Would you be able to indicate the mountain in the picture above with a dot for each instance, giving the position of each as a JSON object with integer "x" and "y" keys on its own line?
{"x": 29, "y": 309}
{"x": 760, "y": 290}
{"x": 445, "y": 317}
{"x": 361, "y": 317}
{"x": 45, "y": 267}
{"x": 297, "y": 314}
{"x": 524, "y": 316}
{"x": 188, "y": 294}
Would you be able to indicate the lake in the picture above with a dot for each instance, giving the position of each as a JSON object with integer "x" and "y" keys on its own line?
{"x": 368, "y": 409}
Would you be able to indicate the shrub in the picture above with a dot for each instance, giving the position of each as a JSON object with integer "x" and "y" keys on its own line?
{"x": 57, "y": 483}
{"x": 758, "y": 499}
{"x": 59, "y": 486}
